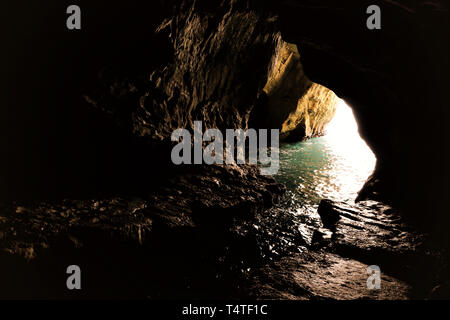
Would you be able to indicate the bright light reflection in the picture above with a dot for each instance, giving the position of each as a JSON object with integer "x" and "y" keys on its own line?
{"x": 349, "y": 149}
{"x": 342, "y": 133}
{"x": 334, "y": 166}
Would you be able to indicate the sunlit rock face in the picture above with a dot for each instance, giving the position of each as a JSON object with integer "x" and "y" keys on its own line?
{"x": 228, "y": 67}
{"x": 290, "y": 101}
{"x": 315, "y": 109}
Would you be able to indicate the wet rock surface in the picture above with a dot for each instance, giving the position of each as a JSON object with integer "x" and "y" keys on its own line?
{"x": 194, "y": 197}
{"x": 203, "y": 214}
{"x": 369, "y": 226}
{"x": 323, "y": 275}
{"x": 188, "y": 242}
{"x": 217, "y": 222}
{"x": 355, "y": 237}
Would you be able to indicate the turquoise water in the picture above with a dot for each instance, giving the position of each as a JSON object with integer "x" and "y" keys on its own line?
{"x": 334, "y": 166}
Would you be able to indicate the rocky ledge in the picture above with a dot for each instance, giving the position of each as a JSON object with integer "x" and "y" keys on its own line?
{"x": 197, "y": 217}
{"x": 353, "y": 238}
{"x": 206, "y": 232}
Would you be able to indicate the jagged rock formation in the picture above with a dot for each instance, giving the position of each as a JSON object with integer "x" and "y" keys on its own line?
{"x": 223, "y": 47}
{"x": 219, "y": 66}
{"x": 291, "y": 102}
{"x": 315, "y": 109}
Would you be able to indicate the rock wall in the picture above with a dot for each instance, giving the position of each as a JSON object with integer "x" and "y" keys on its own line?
{"x": 315, "y": 109}
{"x": 219, "y": 65}
{"x": 291, "y": 102}
{"x": 217, "y": 74}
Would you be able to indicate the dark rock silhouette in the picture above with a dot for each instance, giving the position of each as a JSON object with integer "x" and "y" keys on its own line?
{"x": 89, "y": 117}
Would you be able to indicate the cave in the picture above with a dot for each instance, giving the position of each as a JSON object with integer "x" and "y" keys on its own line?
{"x": 88, "y": 179}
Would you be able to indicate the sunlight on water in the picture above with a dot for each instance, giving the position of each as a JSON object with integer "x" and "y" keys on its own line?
{"x": 334, "y": 166}
{"x": 343, "y": 137}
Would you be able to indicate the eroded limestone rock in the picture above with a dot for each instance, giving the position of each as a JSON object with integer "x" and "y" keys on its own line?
{"x": 298, "y": 107}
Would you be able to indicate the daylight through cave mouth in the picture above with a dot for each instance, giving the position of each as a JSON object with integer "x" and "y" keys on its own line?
{"x": 332, "y": 166}
{"x": 322, "y": 155}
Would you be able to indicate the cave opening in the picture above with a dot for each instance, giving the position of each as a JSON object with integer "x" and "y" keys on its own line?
{"x": 353, "y": 159}
{"x": 322, "y": 155}
{"x": 334, "y": 165}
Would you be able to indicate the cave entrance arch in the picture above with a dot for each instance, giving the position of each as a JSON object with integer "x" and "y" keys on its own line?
{"x": 322, "y": 155}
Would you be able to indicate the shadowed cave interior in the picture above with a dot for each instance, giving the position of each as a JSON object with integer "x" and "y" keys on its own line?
{"x": 87, "y": 177}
